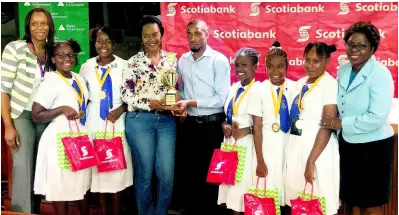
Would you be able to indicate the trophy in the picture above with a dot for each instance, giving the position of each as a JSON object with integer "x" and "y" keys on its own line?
{"x": 171, "y": 80}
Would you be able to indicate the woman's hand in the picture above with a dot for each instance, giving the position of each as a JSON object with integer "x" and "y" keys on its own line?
{"x": 227, "y": 129}
{"x": 114, "y": 115}
{"x": 156, "y": 105}
{"x": 309, "y": 172}
{"x": 261, "y": 169}
{"x": 70, "y": 113}
{"x": 330, "y": 123}
{"x": 240, "y": 133}
{"x": 11, "y": 137}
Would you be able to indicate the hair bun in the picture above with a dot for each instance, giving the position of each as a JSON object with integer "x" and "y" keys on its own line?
{"x": 276, "y": 44}
{"x": 332, "y": 48}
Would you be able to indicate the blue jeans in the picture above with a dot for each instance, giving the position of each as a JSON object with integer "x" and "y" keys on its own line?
{"x": 152, "y": 139}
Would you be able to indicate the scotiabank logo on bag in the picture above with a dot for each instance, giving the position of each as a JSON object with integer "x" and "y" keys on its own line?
{"x": 258, "y": 212}
{"x": 84, "y": 151}
{"x": 364, "y": 7}
{"x": 109, "y": 156}
{"x": 217, "y": 168}
{"x": 200, "y": 9}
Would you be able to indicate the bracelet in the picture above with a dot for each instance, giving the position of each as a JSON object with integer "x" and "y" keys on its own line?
{"x": 251, "y": 130}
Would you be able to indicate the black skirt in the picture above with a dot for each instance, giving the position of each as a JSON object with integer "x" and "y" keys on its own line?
{"x": 366, "y": 172}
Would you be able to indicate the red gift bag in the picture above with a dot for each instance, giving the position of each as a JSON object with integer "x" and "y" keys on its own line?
{"x": 300, "y": 206}
{"x": 110, "y": 152}
{"x": 223, "y": 167}
{"x": 255, "y": 205}
{"x": 79, "y": 150}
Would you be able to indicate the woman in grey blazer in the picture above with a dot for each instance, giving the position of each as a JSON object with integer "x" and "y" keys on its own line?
{"x": 24, "y": 64}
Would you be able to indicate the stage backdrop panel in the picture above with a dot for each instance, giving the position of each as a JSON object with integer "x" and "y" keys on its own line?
{"x": 294, "y": 25}
{"x": 71, "y": 20}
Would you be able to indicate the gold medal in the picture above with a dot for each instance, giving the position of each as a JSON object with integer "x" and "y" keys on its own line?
{"x": 235, "y": 125}
{"x": 102, "y": 95}
{"x": 276, "y": 127}
{"x": 81, "y": 114}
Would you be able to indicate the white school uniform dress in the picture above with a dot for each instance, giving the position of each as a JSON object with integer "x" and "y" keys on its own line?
{"x": 233, "y": 195}
{"x": 273, "y": 143}
{"x": 114, "y": 181}
{"x": 50, "y": 180}
{"x": 326, "y": 183}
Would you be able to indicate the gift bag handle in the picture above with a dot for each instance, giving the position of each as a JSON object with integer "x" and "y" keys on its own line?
{"x": 257, "y": 184}
{"x": 227, "y": 140}
{"x": 113, "y": 129}
{"x": 304, "y": 190}
{"x": 70, "y": 127}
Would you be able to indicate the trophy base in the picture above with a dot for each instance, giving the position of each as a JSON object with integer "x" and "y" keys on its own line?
{"x": 170, "y": 99}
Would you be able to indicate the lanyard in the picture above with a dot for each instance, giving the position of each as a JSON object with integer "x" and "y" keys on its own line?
{"x": 300, "y": 103}
{"x": 42, "y": 68}
{"x": 78, "y": 97}
{"x": 102, "y": 80}
{"x": 277, "y": 103}
{"x": 237, "y": 106}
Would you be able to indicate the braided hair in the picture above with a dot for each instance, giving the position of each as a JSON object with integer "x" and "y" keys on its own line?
{"x": 276, "y": 51}
{"x": 250, "y": 52}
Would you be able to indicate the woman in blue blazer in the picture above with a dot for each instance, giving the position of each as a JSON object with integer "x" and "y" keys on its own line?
{"x": 365, "y": 92}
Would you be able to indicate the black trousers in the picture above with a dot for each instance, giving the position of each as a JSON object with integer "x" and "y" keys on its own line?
{"x": 196, "y": 142}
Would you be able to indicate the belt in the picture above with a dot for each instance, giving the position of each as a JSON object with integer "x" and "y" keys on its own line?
{"x": 207, "y": 118}
{"x": 152, "y": 111}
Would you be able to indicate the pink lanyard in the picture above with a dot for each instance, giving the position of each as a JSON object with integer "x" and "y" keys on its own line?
{"x": 42, "y": 68}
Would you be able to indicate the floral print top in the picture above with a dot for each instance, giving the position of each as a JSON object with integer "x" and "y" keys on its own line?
{"x": 143, "y": 82}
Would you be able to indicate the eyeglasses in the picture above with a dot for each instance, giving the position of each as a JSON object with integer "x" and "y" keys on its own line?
{"x": 63, "y": 56}
{"x": 358, "y": 46}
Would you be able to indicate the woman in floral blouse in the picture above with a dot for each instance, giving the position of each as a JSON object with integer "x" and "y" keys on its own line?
{"x": 150, "y": 128}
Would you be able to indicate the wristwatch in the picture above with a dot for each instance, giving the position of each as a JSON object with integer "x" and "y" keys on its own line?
{"x": 251, "y": 130}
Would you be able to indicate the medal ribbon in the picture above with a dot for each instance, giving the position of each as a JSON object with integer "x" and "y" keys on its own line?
{"x": 300, "y": 103}
{"x": 102, "y": 80}
{"x": 277, "y": 103}
{"x": 236, "y": 106}
{"x": 79, "y": 95}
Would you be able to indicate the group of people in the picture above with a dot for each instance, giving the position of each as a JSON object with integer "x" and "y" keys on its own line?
{"x": 331, "y": 133}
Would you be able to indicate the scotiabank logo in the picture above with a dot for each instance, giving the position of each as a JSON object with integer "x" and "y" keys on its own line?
{"x": 84, "y": 151}
{"x": 296, "y": 62}
{"x": 171, "y": 9}
{"x": 248, "y": 34}
{"x": 255, "y": 9}
{"x": 344, "y": 8}
{"x": 388, "y": 62}
{"x": 295, "y": 9}
{"x": 368, "y": 7}
{"x": 377, "y": 7}
{"x": 109, "y": 154}
{"x": 304, "y": 34}
{"x": 258, "y": 212}
{"x": 199, "y": 9}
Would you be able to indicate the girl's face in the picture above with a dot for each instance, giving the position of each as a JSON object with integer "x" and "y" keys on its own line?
{"x": 244, "y": 68}
{"x": 104, "y": 46}
{"x": 276, "y": 70}
{"x": 314, "y": 64}
{"x": 64, "y": 58}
